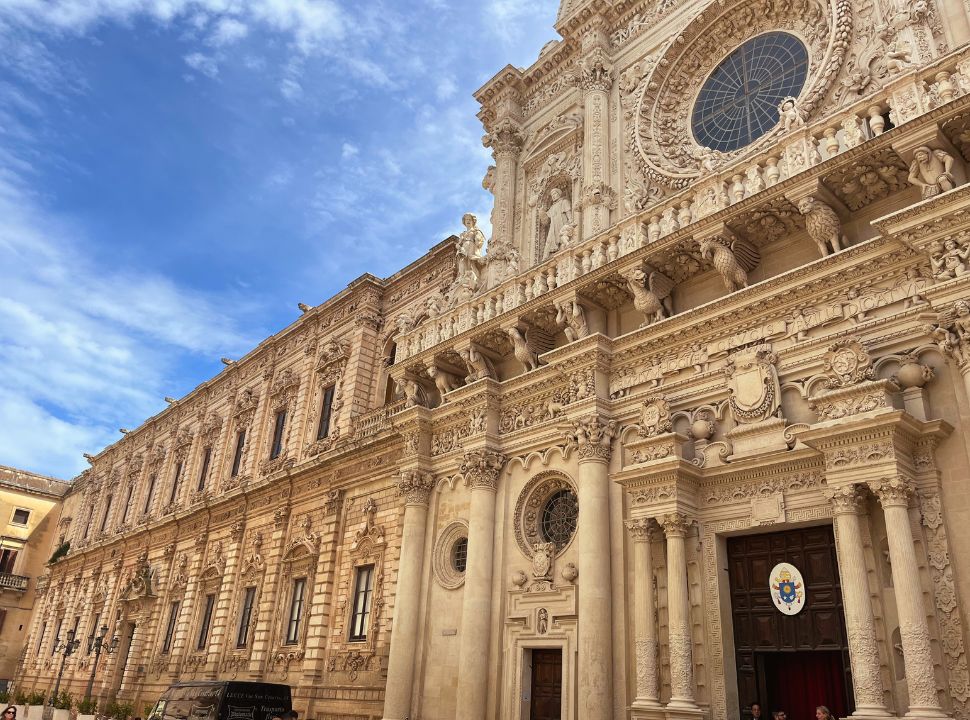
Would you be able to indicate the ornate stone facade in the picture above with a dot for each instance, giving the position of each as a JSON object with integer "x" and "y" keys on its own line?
{"x": 548, "y": 441}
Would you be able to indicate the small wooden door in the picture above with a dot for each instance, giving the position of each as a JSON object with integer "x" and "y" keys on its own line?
{"x": 546, "y": 685}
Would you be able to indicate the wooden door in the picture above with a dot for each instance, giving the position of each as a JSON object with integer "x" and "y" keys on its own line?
{"x": 546, "y": 685}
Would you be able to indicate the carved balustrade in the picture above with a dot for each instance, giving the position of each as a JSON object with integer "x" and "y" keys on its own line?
{"x": 838, "y": 148}
{"x": 374, "y": 422}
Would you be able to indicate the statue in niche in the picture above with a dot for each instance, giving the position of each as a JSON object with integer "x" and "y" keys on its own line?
{"x": 470, "y": 252}
{"x": 542, "y": 623}
{"x": 572, "y": 319}
{"x": 931, "y": 171}
{"x": 560, "y": 219}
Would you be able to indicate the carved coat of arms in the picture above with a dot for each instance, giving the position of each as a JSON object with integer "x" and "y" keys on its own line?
{"x": 753, "y": 384}
{"x": 787, "y": 588}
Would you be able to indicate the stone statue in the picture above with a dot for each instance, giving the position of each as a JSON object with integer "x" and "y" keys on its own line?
{"x": 470, "y": 252}
{"x": 789, "y": 115}
{"x": 444, "y": 381}
{"x": 572, "y": 320}
{"x": 542, "y": 623}
{"x": 479, "y": 366}
{"x": 651, "y": 294}
{"x": 560, "y": 218}
{"x": 414, "y": 394}
{"x": 898, "y": 56}
{"x": 732, "y": 260}
{"x": 931, "y": 171}
{"x": 523, "y": 350}
{"x": 823, "y": 225}
{"x": 949, "y": 260}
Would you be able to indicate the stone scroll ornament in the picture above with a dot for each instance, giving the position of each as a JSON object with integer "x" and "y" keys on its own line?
{"x": 787, "y": 588}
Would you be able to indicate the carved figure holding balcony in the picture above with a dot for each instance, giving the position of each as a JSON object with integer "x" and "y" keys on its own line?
{"x": 931, "y": 171}
{"x": 479, "y": 366}
{"x": 414, "y": 394}
{"x": 444, "y": 381}
{"x": 949, "y": 260}
{"x": 823, "y": 225}
{"x": 732, "y": 258}
{"x": 651, "y": 294}
{"x": 571, "y": 317}
{"x": 522, "y": 350}
{"x": 789, "y": 115}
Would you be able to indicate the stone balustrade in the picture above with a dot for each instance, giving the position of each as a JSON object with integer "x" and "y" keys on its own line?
{"x": 9, "y": 581}
{"x": 909, "y": 96}
{"x": 375, "y": 421}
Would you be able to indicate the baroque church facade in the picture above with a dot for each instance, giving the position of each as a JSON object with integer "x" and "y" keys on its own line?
{"x": 688, "y": 433}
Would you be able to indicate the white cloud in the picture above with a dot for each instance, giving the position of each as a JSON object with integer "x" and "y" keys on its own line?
{"x": 446, "y": 88}
{"x": 348, "y": 150}
{"x": 227, "y": 31}
{"x": 205, "y": 64}
{"x": 291, "y": 89}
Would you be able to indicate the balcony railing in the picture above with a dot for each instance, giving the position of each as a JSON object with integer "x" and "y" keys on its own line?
{"x": 375, "y": 421}
{"x": 9, "y": 581}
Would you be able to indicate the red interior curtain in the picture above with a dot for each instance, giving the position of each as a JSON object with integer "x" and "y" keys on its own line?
{"x": 804, "y": 680}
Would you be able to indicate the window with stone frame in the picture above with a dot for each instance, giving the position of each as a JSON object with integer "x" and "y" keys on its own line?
{"x": 296, "y": 611}
{"x": 326, "y": 412}
{"x": 204, "y": 471}
{"x": 107, "y": 512}
{"x": 205, "y": 620}
{"x": 243, "y": 414}
{"x": 279, "y": 425}
{"x": 245, "y": 617}
{"x": 237, "y": 453}
{"x": 173, "y": 616}
{"x": 366, "y": 549}
{"x": 362, "y": 600}
{"x": 299, "y": 566}
{"x": 327, "y": 393}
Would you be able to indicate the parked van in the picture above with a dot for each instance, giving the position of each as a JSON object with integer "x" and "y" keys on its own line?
{"x": 222, "y": 700}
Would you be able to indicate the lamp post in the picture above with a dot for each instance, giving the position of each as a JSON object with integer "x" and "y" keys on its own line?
{"x": 98, "y": 644}
{"x": 67, "y": 649}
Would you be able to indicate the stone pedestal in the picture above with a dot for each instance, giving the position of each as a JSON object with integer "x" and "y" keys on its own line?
{"x": 415, "y": 487}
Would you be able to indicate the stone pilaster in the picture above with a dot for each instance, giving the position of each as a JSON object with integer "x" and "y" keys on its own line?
{"x": 415, "y": 488}
{"x": 506, "y": 141}
{"x": 596, "y": 79}
{"x": 594, "y": 436}
{"x": 894, "y": 495}
{"x": 481, "y": 469}
{"x": 860, "y": 625}
{"x": 682, "y": 702}
{"x": 644, "y": 609}
{"x": 220, "y": 628}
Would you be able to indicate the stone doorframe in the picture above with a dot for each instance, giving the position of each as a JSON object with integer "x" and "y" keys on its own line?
{"x": 522, "y": 634}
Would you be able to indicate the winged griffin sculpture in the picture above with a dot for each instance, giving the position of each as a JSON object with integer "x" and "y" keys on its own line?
{"x": 651, "y": 294}
{"x": 732, "y": 257}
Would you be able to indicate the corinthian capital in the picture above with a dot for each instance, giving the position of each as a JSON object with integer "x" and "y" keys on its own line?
{"x": 415, "y": 487}
{"x": 675, "y": 524}
{"x": 846, "y": 500}
{"x": 593, "y": 436}
{"x": 597, "y": 71}
{"x": 505, "y": 138}
{"x": 893, "y": 492}
{"x": 481, "y": 468}
{"x": 641, "y": 529}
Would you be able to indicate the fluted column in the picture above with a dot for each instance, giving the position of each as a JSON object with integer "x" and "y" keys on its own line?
{"x": 894, "y": 496}
{"x": 596, "y": 80}
{"x": 415, "y": 489}
{"x": 675, "y": 527}
{"x": 860, "y": 624}
{"x": 481, "y": 470}
{"x": 595, "y": 637}
{"x": 643, "y": 615}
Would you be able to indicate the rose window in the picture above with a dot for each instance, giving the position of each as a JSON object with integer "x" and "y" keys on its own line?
{"x": 738, "y": 103}
{"x": 559, "y": 518}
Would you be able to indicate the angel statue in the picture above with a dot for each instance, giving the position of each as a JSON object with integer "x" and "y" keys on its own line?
{"x": 732, "y": 258}
{"x": 931, "y": 171}
{"x": 470, "y": 252}
{"x": 560, "y": 218}
{"x": 651, "y": 294}
{"x": 789, "y": 115}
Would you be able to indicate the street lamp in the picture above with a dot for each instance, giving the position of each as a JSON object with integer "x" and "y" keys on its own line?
{"x": 67, "y": 649}
{"x": 98, "y": 644}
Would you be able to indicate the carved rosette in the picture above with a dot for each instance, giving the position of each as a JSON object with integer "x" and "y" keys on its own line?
{"x": 481, "y": 468}
{"x": 847, "y": 363}
{"x": 415, "y": 487}
{"x": 655, "y": 416}
{"x": 593, "y": 436}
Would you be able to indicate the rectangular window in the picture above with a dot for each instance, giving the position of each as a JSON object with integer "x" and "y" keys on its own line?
{"x": 362, "y": 598}
{"x": 107, "y": 513}
{"x": 277, "y": 446}
{"x": 20, "y": 516}
{"x": 173, "y": 616}
{"x": 206, "y": 457}
{"x": 87, "y": 525}
{"x": 40, "y": 639}
{"x": 57, "y": 637}
{"x": 95, "y": 631}
{"x": 175, "y": 482}
{"x": 210, "y": 602}
{"x": 296, "y": 611}
{"x": 326, "y": 410}
{"x": 131, "y": 491}
{"x": 149, "y": 494}
{"x": 8, "y": 556}
{"x": 237, "y": 455}
{"x": 245, "y": 617}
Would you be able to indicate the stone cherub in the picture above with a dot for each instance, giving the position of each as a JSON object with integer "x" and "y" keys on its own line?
{"x": 572, "y": 319}
{"x": 823, "y": 225}
{"x": 789, "y": 115}
{"x": 931, "y": 171}
{"x": 948, "y": 259}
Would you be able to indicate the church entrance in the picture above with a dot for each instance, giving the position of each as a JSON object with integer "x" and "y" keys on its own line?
{"x": 789, "y": 662}
{"x": 546, "y": 685}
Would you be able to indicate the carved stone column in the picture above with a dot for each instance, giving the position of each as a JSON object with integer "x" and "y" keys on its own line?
{"x": 597, "y": 80}
{"x": 860, "y": 624}
{"x": 894, "y": 495}
{"x": 506, "y": 142}
{"x": 595, "y": 636}
{"x": 644, "y": 610}
{"x": 481, "y": 469}
{"x": 415, "y": 488}
{"x": 675, "y": 527}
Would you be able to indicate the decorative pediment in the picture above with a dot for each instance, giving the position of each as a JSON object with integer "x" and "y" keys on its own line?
{"x": 135, "y": 464}
{"x": 564, "y": 127}
{"x": 245, "y": 406}
{"x": 333, "y": 360}
{"x": 370, "y": 535}
{"x": 210, "y": 425}
{"x": 157, "y": 455}
{"x": 254, "y": 563}
{"x": 140, "y": 581}
{"x": 183, "y": 443}
{"x": 304, "y": 540}
{"x": 283, "y": 389}
{"x": 180, "y": 572}
{"x": 215, "y": 563}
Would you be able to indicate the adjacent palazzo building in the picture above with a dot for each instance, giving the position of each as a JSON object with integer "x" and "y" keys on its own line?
{"x": 688, "y": 432}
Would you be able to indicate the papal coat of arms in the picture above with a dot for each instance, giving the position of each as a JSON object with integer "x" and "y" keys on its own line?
{"x": 787, "y": 588}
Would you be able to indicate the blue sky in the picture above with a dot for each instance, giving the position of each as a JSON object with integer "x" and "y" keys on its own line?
{"x": 176, "y": 175}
